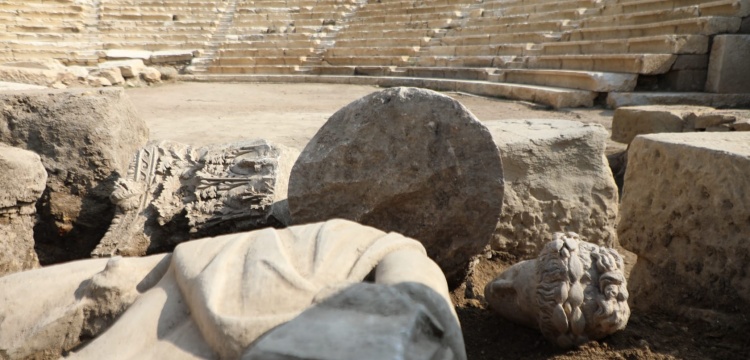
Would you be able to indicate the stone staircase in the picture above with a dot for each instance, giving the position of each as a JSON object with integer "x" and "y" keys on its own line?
{"x": 562, "y": 53}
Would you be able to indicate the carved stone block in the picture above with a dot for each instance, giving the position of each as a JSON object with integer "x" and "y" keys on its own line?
{"x": 174, "y": 192}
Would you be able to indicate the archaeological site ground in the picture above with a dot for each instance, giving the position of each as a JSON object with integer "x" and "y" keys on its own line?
{"x": 375, "y": 179}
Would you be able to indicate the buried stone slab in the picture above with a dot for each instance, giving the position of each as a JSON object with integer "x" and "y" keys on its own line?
{"x": 685, "y": 211}
{"x": 573, "y": 292}
{"x": 85, "y": 139}
{"x": 556, "y": 179}
{"x": 22, "y": 181}
{"x": 174, "y": 192}
{"x": 407, "y": 160}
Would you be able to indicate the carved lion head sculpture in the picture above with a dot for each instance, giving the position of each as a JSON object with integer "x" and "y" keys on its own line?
{"x": 573, "y": 292}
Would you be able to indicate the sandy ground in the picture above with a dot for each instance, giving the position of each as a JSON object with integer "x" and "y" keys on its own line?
{"x": 290, "y": 114}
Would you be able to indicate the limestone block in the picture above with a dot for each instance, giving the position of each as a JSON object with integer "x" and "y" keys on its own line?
{"x": 167, "y": 73}
{"x": 264, "y": 278}
{"x": 97, "y": 81}
{"x": 22, "y": 181}
{"x": 113, "y": 75}
{"x": 32, "y": 76}
{"x": 573, "y": 292}
{"x": 13, "y": 86}
{"x": 174, "y": 192}
{"x": 556, "y": 179}
{"x": 407, "y": 160}
{"x": 85, "y": 139}
{"x": 684, "y": 212}
{"x": 128, "y": 68}
{"x": 150, "y": 75}
{"x": 44, "y": 64}
{"x": 630, "y": 121}
{"x": 171, "y": 56}
{"x": 368, "y": 321}
{"x": 727, "y": 69}
{"x": 120, "y": 54}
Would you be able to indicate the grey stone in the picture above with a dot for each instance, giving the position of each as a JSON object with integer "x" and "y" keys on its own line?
{"x": 556, "y": 179}
{"x": 85, "y": 139}
{"x": 22, "y": 181}
{"x": 684, "y": 212}
{"x": 368, "y": 321}
{"x": 407, "y": 160}
{"x": 728, "y": 72}
{"x": 174, "y": 192}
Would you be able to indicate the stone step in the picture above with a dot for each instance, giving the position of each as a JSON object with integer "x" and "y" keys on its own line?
{"x": 371, "y": 51}
{"x": 258, "y": 61}
{"x": 647, "y": 64}
{"x": 661, "y": 44}
{"x": 368, "y": 60}
{"x": 582, "y": 80}
{"x": 731, "y": 8}
{"x": 522, "y": 27}
{"x": 265, "y": 52}
{"x": 383, "y": 42}
{"x": 695, "y": 26}
{"x": 475, "y": 50}
{"x": 396, "y": 33}
{"x": 267, "y": 69}
{"x": 271, "y": 43}
{"x": 507, "y": 38}
{"x": 368, "y": 11}
{"x": 619, "y": 99}
{"x": 550, "y": 96}
{"x": 655, "y": 5}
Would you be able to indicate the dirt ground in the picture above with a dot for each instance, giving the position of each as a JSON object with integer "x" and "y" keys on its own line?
{"x": 290, "y": 114}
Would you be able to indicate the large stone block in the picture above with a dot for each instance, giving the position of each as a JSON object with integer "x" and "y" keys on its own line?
{"x": 630, "y": 121}
{"x": 686, "y": 213}
{"x": 85, "y": 139}
{"x": 728, "y": 72}
{"x": 22, "y": 181}
{"x": 556, "y": 179}
{"x": 407, "y": 160}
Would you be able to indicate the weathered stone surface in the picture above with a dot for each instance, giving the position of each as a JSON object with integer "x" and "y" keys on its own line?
{"x": 22, "y": 181}
{"x": 619, "y": 99}
{"x": 98, "y": 81}
{"x": 33, "y": 76}
{"x": 264, "y": 278}
{"x": 573, "y": 292}
{"x": 167, "y": 73}
{"x": 556, "y": 178}
{"x": 685, "y": 214}
{"x": 85, "y": 139}
{"x": 113, "y": 75}
{"x": 171, "y": 56}
{"x": 128, "y": 68}
{"x": 407, "y": 160}
{"x": 368, "y": 321}
{"x": 173, "y": 192}
{"x": 14, "y": 86}
{"x": 150, "y": 75}
{"x": 630, "y": 121}
{"x": 728, "y": 72}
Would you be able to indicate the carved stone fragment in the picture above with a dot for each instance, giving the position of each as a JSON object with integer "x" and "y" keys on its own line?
{"x": 573, "y": 292}
{"x": 407, "y": 160}
{"x": 214, "y": 298}
{"x": 22, "y": 179}
{"x": 174, "y": 192}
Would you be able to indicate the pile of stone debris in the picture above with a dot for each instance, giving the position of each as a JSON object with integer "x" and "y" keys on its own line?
{"x": 263, "y": 264}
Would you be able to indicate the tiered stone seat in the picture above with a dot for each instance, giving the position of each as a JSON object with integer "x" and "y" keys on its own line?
{"x": 277, "y": 36}
{"x": 158, "y": 24}
{"x": 34, "y": 29}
